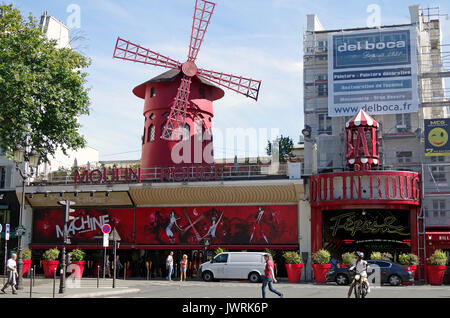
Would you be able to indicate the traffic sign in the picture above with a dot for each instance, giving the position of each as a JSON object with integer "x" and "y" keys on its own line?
{"x": 105, "y": 240}
{"x": 7, "y": 232}
{"x": 1, "y": 228}
{"x": 106, "y": 229}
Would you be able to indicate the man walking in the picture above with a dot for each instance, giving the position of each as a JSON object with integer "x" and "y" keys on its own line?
{"x": 169, "y": 266}
{"x": 107, "y": 267}
{"x": 12, "y": 274}
{"x": 269, "y": 277}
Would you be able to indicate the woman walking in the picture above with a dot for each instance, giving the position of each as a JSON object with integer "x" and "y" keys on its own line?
{"x": 183, "y": 267}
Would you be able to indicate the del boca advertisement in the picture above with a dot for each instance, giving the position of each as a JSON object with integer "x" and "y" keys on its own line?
{"x": 372, "y": 70}
{"x": 229, "y": 225}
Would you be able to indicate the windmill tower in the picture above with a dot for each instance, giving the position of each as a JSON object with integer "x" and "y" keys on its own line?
{"x": 178, "y": 107}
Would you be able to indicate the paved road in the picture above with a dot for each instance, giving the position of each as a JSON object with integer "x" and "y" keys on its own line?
{"x": 231, "y": 289}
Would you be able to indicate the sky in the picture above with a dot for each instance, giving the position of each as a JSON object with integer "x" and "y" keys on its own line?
{"x": 261, "y": 39}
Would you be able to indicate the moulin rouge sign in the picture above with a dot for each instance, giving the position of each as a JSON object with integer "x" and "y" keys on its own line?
{"x": 127, "y": 175}
{"x": 368, "y": 185}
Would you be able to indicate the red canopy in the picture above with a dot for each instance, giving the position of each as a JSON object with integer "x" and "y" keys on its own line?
{"x": 362, "y": 119}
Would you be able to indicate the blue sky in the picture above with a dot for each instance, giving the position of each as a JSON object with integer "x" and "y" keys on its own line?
{"x": 261, "y": 39}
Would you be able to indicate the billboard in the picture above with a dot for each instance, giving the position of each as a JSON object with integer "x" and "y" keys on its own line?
{"x": 372, "y": 70}
{"x": 436, "y": 137}
{"x": 225, "y": 225}
{"x": 365, "y": 230}
{"x": 86, "y": 228}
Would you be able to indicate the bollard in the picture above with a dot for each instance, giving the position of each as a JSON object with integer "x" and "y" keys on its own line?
{"x": 125, "y": 271}
{"x": 148, "y": 272}
{"x": 98, "y": 274}
{"x": 34, "y": 274}
{"x": 54, "y": 283}
{"x": 31, "y": 282}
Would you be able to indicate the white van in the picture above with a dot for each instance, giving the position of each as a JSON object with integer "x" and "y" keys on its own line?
{"x": 234, "y": 265}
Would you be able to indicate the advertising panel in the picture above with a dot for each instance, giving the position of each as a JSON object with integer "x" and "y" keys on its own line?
{"x": 436, "y": 137}
{"x": 86, "y": 228}
{"x": 229, "y": 225}
{"x": 362, "y": 230}
{"x": 372, "y": 70}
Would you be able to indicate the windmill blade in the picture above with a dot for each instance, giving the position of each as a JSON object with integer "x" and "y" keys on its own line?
{"x": 202, "y": 17}
{"x": 174, "y": 127}
{"x": 128, "y": 51}
{"x": 245, "y": 86}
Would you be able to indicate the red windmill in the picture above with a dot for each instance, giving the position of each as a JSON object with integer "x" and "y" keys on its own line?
{"x": 178, "y": 99}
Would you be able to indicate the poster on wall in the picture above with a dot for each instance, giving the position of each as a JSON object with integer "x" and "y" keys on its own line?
{"x": 230, "y": 225}
{"x": 436, "y": 137}
{"x": 86, "y": 228}
{"x": 373, "y": 70}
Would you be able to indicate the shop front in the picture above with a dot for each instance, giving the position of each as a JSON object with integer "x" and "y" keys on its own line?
{"x": 154, "y": 219}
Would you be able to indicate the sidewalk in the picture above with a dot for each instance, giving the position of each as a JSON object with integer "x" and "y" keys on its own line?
{"x": 84, "y": 288}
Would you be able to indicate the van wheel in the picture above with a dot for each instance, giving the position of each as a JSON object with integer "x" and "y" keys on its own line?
{"x": 208, "y": 276}
{"x": 254, "y": 277}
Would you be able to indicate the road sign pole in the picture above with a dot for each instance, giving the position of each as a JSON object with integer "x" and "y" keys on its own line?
{"x": 6, "y": 259}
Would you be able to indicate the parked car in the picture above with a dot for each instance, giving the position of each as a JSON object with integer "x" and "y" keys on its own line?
{"x": 234, "y": 265}
{"x": 391, "y": 273}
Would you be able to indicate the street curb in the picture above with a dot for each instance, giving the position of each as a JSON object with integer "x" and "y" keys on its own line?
{"x": 104, "y": 294}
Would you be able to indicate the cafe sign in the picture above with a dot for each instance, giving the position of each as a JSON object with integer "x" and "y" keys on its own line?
{"x": 363, "y": 186}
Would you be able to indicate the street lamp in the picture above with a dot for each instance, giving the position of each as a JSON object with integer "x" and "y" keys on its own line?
{"x": 33, "y": 161}
{"x": 67, "y": 217}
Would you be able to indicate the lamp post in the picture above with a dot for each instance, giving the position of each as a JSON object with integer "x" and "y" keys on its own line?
{"x": 67, "y": 217}
{"x": 32, "y": 158}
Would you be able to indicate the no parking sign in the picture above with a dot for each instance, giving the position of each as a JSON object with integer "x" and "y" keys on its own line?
{"x": 106, "y": 229}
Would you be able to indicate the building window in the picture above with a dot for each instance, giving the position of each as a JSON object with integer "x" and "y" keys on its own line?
{"x": 152, "y": 116}
{"x": 438, "y": 172}
{"x": 2, "y": 177}
{"x": 322, "y": 77}
{"x": 439, "y": 208}
{"x": 152, "y": 92}
{"x": 324, "y": 125}
{"x": 404, "y": 156}
{"x": 201, "y": 92}
{"x": 321, "y": 58}
{"x": 151, "y": 133}
{"x": 322, "y": 46}
{"x": 322, "y": 90}
{"x": 403, "y": 122}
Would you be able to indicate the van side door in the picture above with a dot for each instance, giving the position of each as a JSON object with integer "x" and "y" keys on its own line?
{"x": 219, "y": 266}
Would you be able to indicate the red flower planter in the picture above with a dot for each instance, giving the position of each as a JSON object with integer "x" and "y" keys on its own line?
{"x": 320, "y": 271}
{"x": 294, "y": 272}
{"x": 77, "y": 268}
{"x": 49, "y": 268}
{"x": 413, "y": 269}
{"x": 26, "y": 268}
{"x": 435, "y": 274}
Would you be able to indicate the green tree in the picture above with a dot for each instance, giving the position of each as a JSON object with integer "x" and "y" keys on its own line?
{"x": 42, "y": 88}
{"x": 285, "y": 147}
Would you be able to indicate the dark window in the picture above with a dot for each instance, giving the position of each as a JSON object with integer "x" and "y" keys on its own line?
{"x": 322, "y": 90}
{"x": 404, "y": 156}
{"x": 2, "y": 177}
{"x": 403, "y": 122}
{"x": 325, "y": 125}
{"x": 151, "y": 133}
{"x": 152, "y": 92}
{"x": 201, "y": 92}
{"x": 222, "y": 258}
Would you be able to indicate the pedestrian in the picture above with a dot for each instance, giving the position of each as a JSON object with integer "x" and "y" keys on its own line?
{"x": 107, "y": 267}
{"x": 11, "y": 267}
{"x": 169, "y": 266}
{"x": 269, "y": 278}
{"x": 183, "y": 267}
{"x": 118, "y": 265}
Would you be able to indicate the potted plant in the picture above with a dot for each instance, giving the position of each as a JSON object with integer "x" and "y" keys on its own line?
{"x": 294, "y": 266}
{"x": 50, "y": 262}
{"x": 436, "y": 267}
{"x": 381, "y": 256}
{"x": 77, "y": 259}
{"x": 409, "y": 260}
{"x": 321, "y": 265}
{"x": 26, "y": 256}
{"x": 347, "y": 260}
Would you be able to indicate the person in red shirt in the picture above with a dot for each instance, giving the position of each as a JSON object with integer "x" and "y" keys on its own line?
{"x": 269, "y": 277}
